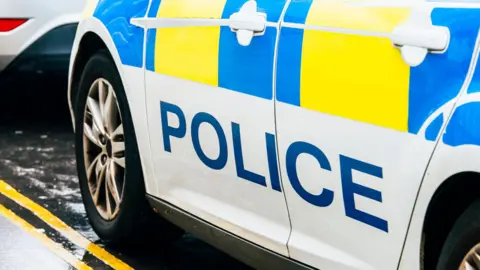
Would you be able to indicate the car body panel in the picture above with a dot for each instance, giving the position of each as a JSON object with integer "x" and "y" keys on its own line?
{"x": 133, "y": 89}
{"x": 311, "y": 142}
{"x": 375, "y": 125}
{"x": 43, "y": 16}
{"x": 226, "y": 184}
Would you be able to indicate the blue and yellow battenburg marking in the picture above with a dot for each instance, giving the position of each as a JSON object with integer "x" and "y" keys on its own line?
{"x": 363, "y": 77}
{"x": 128, "y": 39}
{"x": 212, "y": 55}
{"x": 354, "y": 76}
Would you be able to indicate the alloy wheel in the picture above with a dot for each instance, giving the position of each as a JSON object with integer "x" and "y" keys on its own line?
{"x": 104, "y": 149}
{"x": 471, "y": 260}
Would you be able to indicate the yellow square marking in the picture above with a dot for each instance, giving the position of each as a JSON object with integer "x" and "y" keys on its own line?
{"x": 356, "y": 77}
{"x": 189, "y": 52}
{"x": 344, "y": 14}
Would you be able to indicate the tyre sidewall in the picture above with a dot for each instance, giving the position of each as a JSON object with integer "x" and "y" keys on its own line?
{"x": 133, "y": 201}
{"x": 464, "y": 235}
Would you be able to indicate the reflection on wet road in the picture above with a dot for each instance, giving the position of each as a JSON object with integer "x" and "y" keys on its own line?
{"x": 37, "y": 160}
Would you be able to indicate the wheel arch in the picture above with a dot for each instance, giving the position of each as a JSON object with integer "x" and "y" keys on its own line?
{"x": 448, "y": 202}
{"x": 453, "y": 174}
{"x": 92, "y": 28}
{"x": 91, "y": 36}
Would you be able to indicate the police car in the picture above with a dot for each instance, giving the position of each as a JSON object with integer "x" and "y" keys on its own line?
{"x": 329, "y": 134}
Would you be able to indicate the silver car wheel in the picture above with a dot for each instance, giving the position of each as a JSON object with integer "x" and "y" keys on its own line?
{"x": 472, "y": 259}
{"x": 104, "y": 149}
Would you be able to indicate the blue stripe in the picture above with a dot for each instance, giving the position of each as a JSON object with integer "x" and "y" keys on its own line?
{"x": 290, "y": 54}
{"x": 440, "y": 77}
{"x": 128, "y": 39}
{"x": 154, "y": 6}
{"x": 463, "y": 126}
{"x": 151, "y": 36}
{"x": 297, "y": 11}
{"x": 249, "y": 69}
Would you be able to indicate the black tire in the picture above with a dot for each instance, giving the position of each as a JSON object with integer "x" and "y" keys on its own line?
{"x": 464, "y": 235}
{"x": 136, "y": 219}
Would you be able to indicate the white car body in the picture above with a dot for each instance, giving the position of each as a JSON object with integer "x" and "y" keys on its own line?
{"x": 340, "y": 176}
{"x": 42, "y": 17}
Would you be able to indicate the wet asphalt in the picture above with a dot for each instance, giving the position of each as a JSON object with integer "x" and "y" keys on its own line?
{"x": 37, "y": 159}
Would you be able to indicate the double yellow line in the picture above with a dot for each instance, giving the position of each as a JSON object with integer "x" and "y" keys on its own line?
{"x": 58, "y": 225}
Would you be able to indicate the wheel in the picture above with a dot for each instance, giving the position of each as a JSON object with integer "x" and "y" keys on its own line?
{"x": 462, "y": 246}
{"x": 108, "y": 161}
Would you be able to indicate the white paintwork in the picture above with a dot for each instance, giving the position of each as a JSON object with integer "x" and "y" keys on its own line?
{"x": 446, "y": 162}
{"x": 153, "y": 23}
{"x": 323, "y": 237}
{"x": 43, "y": 16}
{"x": 132, "y": 79}
{"x": 249, "y": 210}
{"x": 326, "y": 237}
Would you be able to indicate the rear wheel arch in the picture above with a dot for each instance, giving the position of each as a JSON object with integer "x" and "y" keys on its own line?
{"x": 449, "y": 201}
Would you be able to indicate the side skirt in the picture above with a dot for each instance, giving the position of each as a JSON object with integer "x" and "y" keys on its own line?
{"x": 241, "y": 249}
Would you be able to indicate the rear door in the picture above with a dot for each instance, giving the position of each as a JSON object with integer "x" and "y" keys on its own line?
{"x": 210, "y": 112}
{"x": 360, "y": 104}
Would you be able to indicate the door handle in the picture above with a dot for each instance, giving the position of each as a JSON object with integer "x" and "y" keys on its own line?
{"x": 248, "y": 22}
{"x": 415, "y": 41}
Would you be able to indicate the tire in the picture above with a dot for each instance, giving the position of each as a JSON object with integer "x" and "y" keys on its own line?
{"x": 135, "y": 219}
{"x": 464, "y": 235}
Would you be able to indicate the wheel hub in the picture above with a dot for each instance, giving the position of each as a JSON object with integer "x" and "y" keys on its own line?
{"x": 108, "y": 148}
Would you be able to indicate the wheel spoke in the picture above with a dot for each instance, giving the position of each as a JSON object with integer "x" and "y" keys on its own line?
{"x": 98, "y": 187}
{"x": 118, "y": 131}
{"x": 112, "y": 184}
{"x": 476, "y": 260}
{"x": 107, "y": 200}
{"x": 96, "y": 114}
{"x": 118, "y": 147}
{"x": 107, "y": 112}
{"x": 101, "y": 95}
{"x": 120, "y": 161}
{"x": 92, "y": 166}
{"x": 468, "y": 266}
{"x": 90, "y": 134}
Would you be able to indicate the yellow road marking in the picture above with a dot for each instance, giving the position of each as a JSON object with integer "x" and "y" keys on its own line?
{"x": 50, "y": 244}
{"x": 61, "y": 227}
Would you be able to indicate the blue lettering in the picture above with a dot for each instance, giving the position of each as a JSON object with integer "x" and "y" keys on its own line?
{"x": 237, "y": 151}
{"x": 169, "y": 131}
{"x": 220, "y": 162}
{"x": 325, "y": 198}
{"x": 350, "y": 188}
{"x": 272, "y": 161}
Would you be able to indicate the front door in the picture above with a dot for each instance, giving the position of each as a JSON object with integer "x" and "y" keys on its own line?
{"x": 210, "y": 112}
